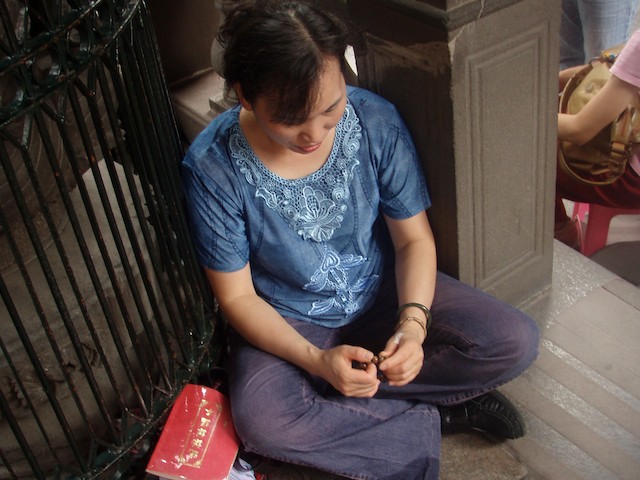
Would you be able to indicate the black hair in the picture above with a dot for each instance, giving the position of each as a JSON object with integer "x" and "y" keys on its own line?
{"x": 277, "y": 49}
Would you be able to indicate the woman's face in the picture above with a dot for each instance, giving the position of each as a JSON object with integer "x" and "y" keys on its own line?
{"x": 326, "y": 112}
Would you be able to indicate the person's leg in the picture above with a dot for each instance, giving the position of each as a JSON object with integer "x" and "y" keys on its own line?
{"x": 565, "y": 228}
{"x": 474, "y": 344}
{"x": 283, "y": 413}
{"x": 605, "y": 24}
{"x": 571, "y": 40}
{"x": 623, "y": 193}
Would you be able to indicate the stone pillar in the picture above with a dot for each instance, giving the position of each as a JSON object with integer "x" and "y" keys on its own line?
{"x": 476, "y": 82}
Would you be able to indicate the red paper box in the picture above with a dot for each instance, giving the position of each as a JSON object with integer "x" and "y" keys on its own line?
{"x": 198, "y": 442}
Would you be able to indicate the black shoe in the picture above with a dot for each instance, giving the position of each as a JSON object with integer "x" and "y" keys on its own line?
{"x": 491, "y": 412}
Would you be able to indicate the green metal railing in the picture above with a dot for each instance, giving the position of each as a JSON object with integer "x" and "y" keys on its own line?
{"x": 104, "y": 313}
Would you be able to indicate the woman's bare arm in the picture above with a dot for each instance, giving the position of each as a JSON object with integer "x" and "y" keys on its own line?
{"x": 604, "y": 108}
{"x": 261, "y": 325}
{"x": 415, "y": 281}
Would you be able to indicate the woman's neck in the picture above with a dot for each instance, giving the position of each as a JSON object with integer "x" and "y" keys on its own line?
{"x": 279, "y": 159}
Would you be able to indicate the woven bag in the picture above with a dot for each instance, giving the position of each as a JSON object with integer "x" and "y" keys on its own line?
{"x": 603, "y": 159}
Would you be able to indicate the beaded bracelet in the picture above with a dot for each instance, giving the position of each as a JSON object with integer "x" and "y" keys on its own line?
{"x": 426, "y": 311}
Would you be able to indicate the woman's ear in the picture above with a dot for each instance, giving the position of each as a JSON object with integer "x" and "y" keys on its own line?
{"x": 243, "y": 101}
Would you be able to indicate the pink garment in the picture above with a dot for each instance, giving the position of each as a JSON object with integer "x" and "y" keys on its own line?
{"x": 627, "y": 68}
{"x": 627, "y": 65}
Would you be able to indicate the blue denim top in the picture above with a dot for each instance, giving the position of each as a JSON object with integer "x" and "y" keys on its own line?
{"x": 318, "y": 245}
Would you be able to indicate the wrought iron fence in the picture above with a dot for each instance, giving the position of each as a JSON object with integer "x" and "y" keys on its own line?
{"x": 104, "y": 312}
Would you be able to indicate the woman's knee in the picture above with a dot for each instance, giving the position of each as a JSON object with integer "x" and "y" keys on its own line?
{"x": 517, "y": 339}
{"x": 274, "y": 426}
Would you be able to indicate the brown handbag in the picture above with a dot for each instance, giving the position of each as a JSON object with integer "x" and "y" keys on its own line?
{"x": 603, "y": 159}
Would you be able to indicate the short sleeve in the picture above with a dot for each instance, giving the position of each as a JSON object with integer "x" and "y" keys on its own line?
{"x": 627, "y": 65}
{"x": 214, "y": 207}
{"x": 400, "y": 176}
{"x": 403, "y": 190}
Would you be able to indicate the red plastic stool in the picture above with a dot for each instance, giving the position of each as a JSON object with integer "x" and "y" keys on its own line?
{"x": 595, "y": 236}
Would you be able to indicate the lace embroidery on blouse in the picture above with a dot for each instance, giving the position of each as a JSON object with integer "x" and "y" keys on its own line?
{"x": 313, "y": 206}
{"x": 333, "y": 275}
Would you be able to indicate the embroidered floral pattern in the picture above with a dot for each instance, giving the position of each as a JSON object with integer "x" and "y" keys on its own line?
{"x": 333, "y": 275}
{"x": 313, "y": 206}
{"x": 319, "y": 215}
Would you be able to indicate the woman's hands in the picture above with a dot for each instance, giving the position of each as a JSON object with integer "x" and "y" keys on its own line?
{"x": 400, "y": 362}
{"x": 565, "y": 75}
{"x": 403, "y": 356}
{"x": 337, "y": 369}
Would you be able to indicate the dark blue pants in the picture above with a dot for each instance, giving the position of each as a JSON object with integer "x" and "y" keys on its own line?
{"x": 475, "y": 344}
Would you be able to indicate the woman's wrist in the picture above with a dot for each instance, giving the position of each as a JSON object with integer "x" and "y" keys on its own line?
{"x": 313, "y": 360}
{"x": 413, "y": 325}
{"x": 414, "y": 315}
{"x": 415, "y": 309}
